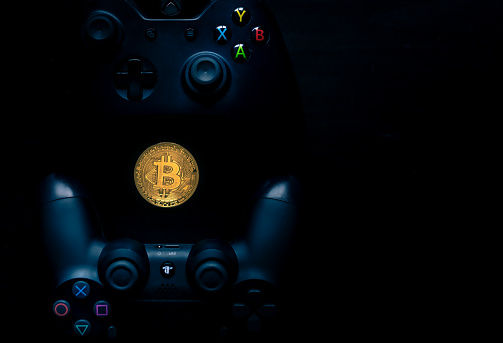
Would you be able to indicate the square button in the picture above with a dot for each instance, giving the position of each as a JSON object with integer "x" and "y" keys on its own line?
{"x": 101, "y": 308}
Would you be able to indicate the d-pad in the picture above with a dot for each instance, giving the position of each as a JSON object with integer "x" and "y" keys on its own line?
{"x": 134, "y": 79}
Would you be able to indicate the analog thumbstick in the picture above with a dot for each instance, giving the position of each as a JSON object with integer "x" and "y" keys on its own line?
{"x": 205, "y": 74}
{"x": 123, "y": 265}
{"x": 101, "y": 30}
{"x": 212, "y": 265}
{"x": 121, "y": 275}
{"x": 211, "y": 276}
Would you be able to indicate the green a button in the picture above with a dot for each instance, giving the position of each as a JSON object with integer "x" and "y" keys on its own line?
{"x": 82, "y": 327}
{"x": 240, "y": 53}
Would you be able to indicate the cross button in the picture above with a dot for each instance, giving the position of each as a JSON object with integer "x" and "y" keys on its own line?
{"x": 135, "y": 79}
{"x": 81, "y": 289}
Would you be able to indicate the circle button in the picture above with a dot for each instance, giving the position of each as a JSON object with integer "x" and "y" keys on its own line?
{"x": 61, "y": 308}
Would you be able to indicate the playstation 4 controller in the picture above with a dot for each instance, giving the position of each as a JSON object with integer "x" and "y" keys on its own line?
{"x": 208, "y": 289}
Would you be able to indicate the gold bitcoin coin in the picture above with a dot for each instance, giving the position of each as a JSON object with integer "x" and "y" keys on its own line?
{"x": 166, "y": 174}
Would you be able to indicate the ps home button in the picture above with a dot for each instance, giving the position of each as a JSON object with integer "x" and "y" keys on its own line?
{"x": 82, "y": 328}
{"x": 259, "y": 35}
{"x": 168, "y": 269}
{"x": 240, "y": 53}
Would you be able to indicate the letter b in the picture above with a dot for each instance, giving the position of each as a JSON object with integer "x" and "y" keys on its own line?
{"x": 259, "y": 35}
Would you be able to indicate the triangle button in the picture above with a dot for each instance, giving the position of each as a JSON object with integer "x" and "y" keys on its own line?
{"x": 82, "y": 327}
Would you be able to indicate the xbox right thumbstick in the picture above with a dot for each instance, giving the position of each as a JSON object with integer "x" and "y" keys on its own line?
{"x": 206, "y": 74}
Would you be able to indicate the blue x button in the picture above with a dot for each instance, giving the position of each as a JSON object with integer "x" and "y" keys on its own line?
{"x": 81, "y": 289}
{"x": 222, "y": 34}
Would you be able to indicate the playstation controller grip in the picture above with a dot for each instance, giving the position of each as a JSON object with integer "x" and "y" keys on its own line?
{"x": 272, "y": 224}
{"x": 70, "y": 228}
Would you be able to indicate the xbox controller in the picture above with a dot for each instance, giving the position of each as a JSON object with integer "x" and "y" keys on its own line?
{"x": 213, "y": 76}
{"x": 207, "y": 68}
{"x": 211, "y": 288}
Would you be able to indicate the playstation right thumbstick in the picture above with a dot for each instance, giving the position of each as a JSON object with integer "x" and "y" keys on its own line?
{"x": 212, "y": 265}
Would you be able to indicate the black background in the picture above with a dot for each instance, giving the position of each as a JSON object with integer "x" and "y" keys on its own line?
{"x": 384, "y": 86}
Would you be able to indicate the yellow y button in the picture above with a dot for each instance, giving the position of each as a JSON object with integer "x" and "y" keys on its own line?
{"x": 241, "y": 16}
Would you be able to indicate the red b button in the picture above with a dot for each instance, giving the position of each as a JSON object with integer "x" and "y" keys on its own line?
{"x": 259, "y": 35}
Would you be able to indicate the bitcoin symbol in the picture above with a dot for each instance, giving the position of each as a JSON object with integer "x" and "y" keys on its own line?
{"x": 170, "y": 179}
{"x": 166, "y": 174}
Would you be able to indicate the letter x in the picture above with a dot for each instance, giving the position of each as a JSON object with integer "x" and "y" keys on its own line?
{"x": 222, "y": 33}
{"x": 80, "y": 290}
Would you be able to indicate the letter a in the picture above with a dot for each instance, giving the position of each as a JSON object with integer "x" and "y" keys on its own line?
{"x": 240, "y": 52}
